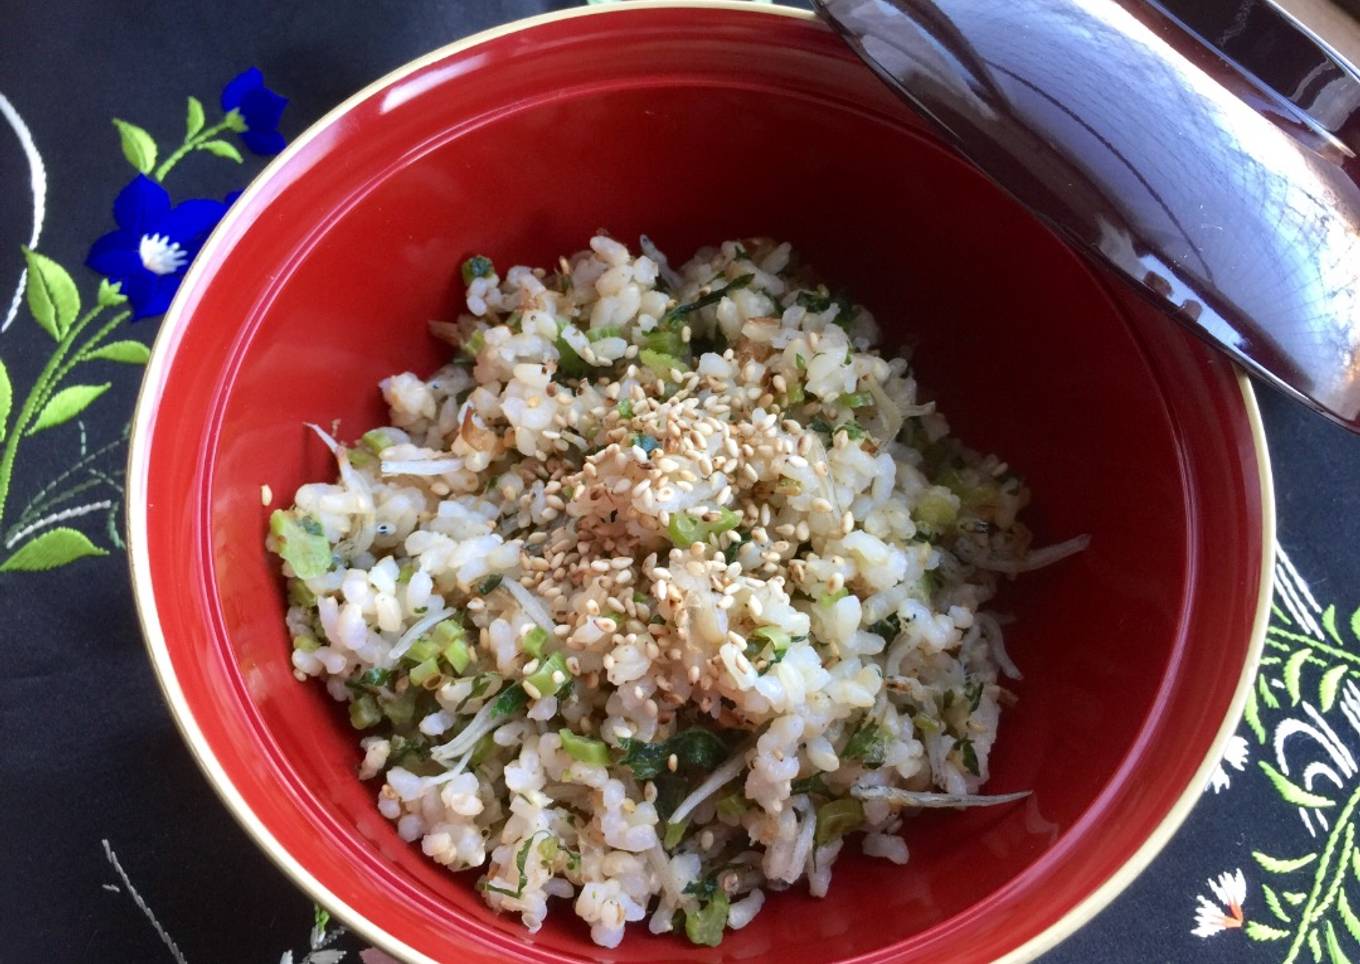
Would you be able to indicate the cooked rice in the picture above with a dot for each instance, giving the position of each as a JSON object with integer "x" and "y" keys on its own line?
{"x": 660, "y": 590}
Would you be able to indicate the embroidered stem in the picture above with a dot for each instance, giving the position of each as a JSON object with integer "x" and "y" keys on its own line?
{"x": 1310, "y": 910}
{"x": 192, "y": 143}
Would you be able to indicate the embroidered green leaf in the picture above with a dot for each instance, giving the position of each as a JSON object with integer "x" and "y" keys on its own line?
{"x": 1355, "y": 863}
{"x": 193, "y": 121}
{"x": 55, "y": 547}
{"x": 233, "y": 121}
{"x": 1278, "y": 865}
{"x": 138, "y": 147}
{"x": 1334, "y": 951}
{"x": 1293, "y": 672}
{"x": 1315, "y": 945}
{"x": 1343, "y": 907}
{"x": 1273, "y": 902}
{"x": 1331, "y": 680}
{"x": 52, "y": 295}
{"x": 1294, "y": 897}
{"x": 110, "y": 295}
{"x": 1267, "y": 697}
{"x": 128, "y": 352}
{"x": 221, "y": 148}
{"x": 1355, "y": 623}
{"x": 67, "y": 404}
{"x": 1264, "y": 932}
{"x": 6, "y": 398}
{"x": 1292, "y": 792}
{"x": 1329, "y": 623}
{"x": 1252, "y": 714}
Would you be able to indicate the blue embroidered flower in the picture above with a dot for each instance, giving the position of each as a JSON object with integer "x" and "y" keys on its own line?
{"x": 154, "y": 243}
{"x": 259, "y": 107}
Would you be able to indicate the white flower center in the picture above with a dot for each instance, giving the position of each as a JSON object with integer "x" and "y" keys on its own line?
{"x": 160, "y": 255}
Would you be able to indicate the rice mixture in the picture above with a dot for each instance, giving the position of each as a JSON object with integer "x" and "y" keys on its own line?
{"x": 663, "y": 591}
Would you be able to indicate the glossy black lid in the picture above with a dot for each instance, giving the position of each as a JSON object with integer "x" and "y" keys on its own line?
{"x": 1224, "y": 189}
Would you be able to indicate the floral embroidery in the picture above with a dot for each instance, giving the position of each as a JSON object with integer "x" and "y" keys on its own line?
{"x": 143, "y": 261}
{"x": 260, "y": 107}
{"x": 1234, "y": 755}
{"x": 1230, "y": 893}
{"x": 153, "y": 244}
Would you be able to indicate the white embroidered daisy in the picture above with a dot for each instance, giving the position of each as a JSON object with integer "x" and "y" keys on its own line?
{"x": 1235, "y": 756}
{"x": 1230, "y": 890}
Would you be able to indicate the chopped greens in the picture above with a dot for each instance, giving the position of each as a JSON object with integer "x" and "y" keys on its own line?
{"x": 660, "y": 363}
{"x": 869, "y": 744}
{"x": 364, "y": 712}
{"x": 889, "y": 627}
{"x": 544, "y": 680}
{"x": 836, "y": 818}
{"x": 534, "y": 641}
{"x": 521, "y": 860}
{"x": 695, "y": 748}
{"x": 490, "y": 584}
{"x": 705, "y": 925}
{"x": 301, "y": 542}
{"x": 712, "y": 298}
{"x": 685, "y": 530}
{"x": 675, "y": 832}
{"x": 584, "y": 749}
{"x": 968, "y": 755}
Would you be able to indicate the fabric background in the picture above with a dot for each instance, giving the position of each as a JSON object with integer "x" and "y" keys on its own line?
{"x": 89, "y": 753}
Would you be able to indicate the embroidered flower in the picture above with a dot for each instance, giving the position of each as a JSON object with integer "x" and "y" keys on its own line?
{"x": 1235, "y": 756}
{"x": 260, "y": 108}
{"x": 1230, "y": 889}
{"x": 154, "y": 243}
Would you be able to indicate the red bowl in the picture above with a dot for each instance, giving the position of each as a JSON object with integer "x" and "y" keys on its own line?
{"x": 696, "y": 123}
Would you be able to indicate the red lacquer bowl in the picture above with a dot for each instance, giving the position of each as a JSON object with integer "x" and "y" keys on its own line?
{"x": 695, "y": 123}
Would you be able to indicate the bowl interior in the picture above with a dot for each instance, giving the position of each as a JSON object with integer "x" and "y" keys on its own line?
{"x": 695, "y": 126}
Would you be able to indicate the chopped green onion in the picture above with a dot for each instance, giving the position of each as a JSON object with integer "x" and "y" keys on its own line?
{"x": 732, "y": 806}
{"x": 685, "y": 530}
{"x": 661, "y": 363}
{"x": 793, "y": 395}
{"x": 776, "y": 637}
{"x": 801, "y": 362}
{"x": 855, "y": 400}
{"x": 665, "y": 342}
{"x": 541, "y": 679}
{"x": 490, "y": 584}
{"x": 569, "y": 363}
{"x": 609, "y": 331}
{"x": 869, "y": 743}
{"x": 548, "y": 850}
{"x": 968, "y": 755}
{"x": 360, "y": 458}
{"x": 937, "y": 507}
{"x": 375, "y": 440}
{"x": 712, "y": 298}
{"x": 675, "y": 832}
{"x": 300, "y": 595}
{"x": 427, "y": 669}
{"x": 422, "y": 649}
{"x": 534, "y": 641}
{"x": 926, "y": 724}
{"x": 301, "y": 542}
{"x": 833, "y": 597}
{"x": 626, "y": 408}
{"x": 584, "y": 749}
{"x": 307, "y": 644}
{"x": 402, "y": 710}
{"x": 477, "y": 266}
{"x": 837, "y": 818}
{"x": 364, "y": 712}
{"x": 475, "y": 343}
{"x": 705, "y": 926}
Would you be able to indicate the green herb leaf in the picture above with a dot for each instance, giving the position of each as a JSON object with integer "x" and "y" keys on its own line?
{"x": 301, "y": 543}
{"x": 66, "y": 405}
{"x": 193, "y": 117}
{"x": 695, "y": 747}
{"x": 55, "y": 547}
{"x": 52, "y": 295}
{"x": 838, "y": 818}
{"x": 128, "y": 352}
{"x": 968, "y": 755}
{"x": 490, "y": 584}
{"x": 521, "y": 862}
{"x": 1264, "y": 932}
{"x": 626, "y": 408}
{"x": 511, "y": 700}
{"x": 1293, "y": 793}
{"x": 1331, "y": 680}
{"x": 889, "y": 627}
{"x": 973, "y": 692}
{"x": 814, "y": 785}
{"x": 675, "y": 832}
{"x": 220, "y": 148}
{"x": 138, "y": 147}
{"x": 868, "y": 744}
{"x": 712, "y": 298}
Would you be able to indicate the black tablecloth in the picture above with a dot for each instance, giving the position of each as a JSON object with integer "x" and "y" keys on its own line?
{"x": 115, "y": 848}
